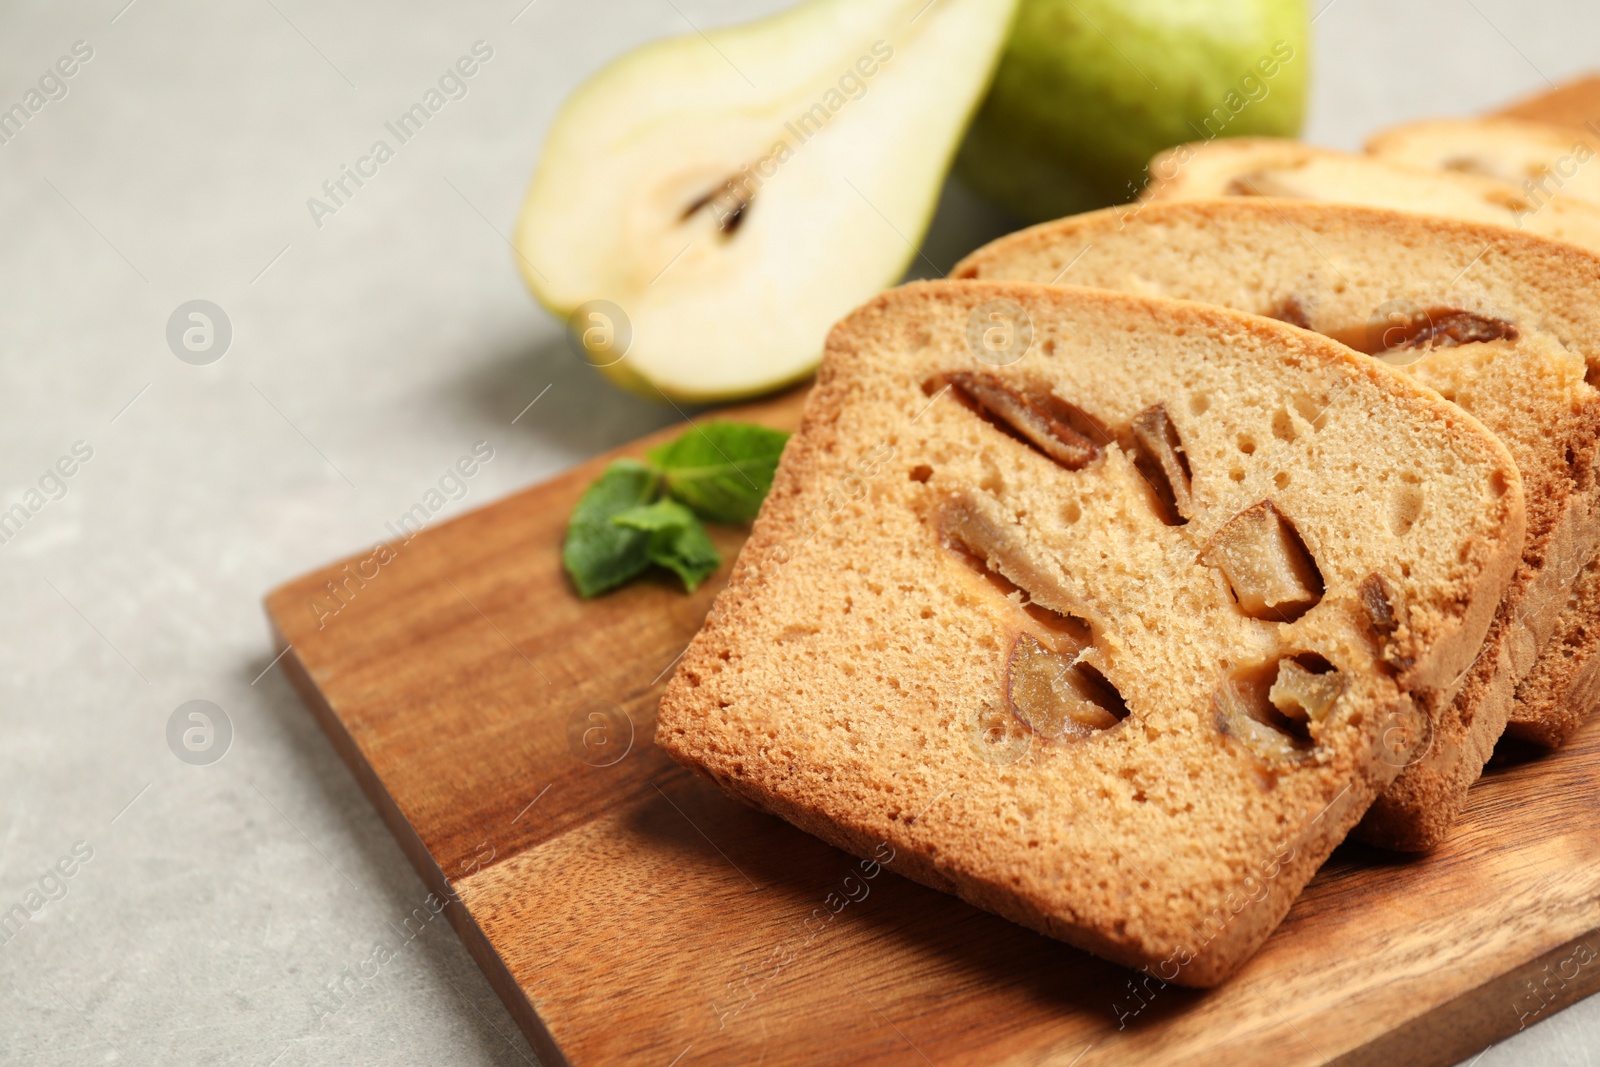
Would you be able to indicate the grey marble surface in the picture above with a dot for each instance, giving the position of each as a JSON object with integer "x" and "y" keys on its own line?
{"x": 219, "y": 902}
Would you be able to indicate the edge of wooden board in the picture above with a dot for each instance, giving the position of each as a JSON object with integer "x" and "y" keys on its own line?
{"x": 783, "y": 408}
{"x": 460, "y": 917}
{"x": 1454, "y": 1030}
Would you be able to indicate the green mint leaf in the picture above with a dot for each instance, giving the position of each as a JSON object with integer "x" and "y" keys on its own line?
{"x": 598, "y": 553}
{"x": 677, "y": 540}
{"x": 722, "y": 470}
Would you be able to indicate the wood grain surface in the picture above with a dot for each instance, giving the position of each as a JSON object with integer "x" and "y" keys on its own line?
{"x": 627, "y": 912}
{"x": 1575, "y": 104}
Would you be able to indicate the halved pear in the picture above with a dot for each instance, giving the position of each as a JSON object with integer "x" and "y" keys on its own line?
{"x": 735, "y": 193}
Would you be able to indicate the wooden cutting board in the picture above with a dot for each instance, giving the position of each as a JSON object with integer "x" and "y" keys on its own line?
{"x": 626, "y": 912}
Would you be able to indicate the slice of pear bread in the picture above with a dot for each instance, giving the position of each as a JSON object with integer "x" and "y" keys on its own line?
{"x": 1546, "y": 161}
{"x": 1542, "y": 161}
{"x": 1564, "y": 687}
{"x": 1043, "y": 627}
{"x": 1289, "y": 170}
{"x": 1504, "y": 325}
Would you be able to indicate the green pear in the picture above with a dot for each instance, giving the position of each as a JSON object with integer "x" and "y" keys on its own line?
{"x": 706, "y": 207}
{"x": 1088, "y": 90}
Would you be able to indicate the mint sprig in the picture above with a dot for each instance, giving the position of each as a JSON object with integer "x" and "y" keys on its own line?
{"x": 638, "y": 514}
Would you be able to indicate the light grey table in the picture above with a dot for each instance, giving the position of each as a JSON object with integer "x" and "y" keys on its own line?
{"x": 220, "y": 903}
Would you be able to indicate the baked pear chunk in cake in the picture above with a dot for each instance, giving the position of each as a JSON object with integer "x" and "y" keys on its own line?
{"x": 1090, "y": 608}
{"x": 1505, "y": 325}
